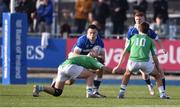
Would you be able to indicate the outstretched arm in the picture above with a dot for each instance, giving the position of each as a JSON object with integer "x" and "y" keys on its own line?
{"x": 161, "y": 46}
{"x": 156, "y": 61}
{"x": 106, "y": 69}
{"x": 115, "y": 69}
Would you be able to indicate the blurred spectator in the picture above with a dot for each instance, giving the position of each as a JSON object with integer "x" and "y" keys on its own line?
{"x": 7, "y": 2}
{"x": 44, "y": 15}
{"x": 172, "y": 29}
{"x": 44, "y": 20}
{"x": 118, "y": 15}
{"x": 82, "y": 9}
{"x": 96, "y": 23}
{"x": 65, "y": 23}
{"x": 160, "y": 7}
{"x": 159, "y": 28}
{"x": 3, "y": 8}
{"x": 27, "y": 6}
{"x": 100, "y": 13}
{"x": 140, "y": 5}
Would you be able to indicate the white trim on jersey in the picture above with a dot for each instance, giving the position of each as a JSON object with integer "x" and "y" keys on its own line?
{"x": 79, "y": 49}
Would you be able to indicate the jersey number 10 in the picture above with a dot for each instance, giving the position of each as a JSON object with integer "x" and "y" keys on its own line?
{"x": 140, "y": 41}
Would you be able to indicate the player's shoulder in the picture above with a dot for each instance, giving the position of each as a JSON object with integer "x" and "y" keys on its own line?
{"x": 83, "y": 37}
{"x": 99, "y": 38}
{"x": 152, "y": 34}
{"x": 132, "y": 28}
{"x": 150, "y": 30}
{"x": 134, "y": 36}
{"x": 131, "y": 31}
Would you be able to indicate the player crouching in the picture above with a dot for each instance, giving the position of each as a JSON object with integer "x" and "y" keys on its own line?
{"x": 72, "y": 68}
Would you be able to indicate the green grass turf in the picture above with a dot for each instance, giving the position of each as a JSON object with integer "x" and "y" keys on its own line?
{"x": 21, "y": 95}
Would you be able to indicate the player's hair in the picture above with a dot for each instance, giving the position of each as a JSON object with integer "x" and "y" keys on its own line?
{"x": 92, "y": 26}
{"x": 139, "y": 13}
{"x": 144, "y": 27}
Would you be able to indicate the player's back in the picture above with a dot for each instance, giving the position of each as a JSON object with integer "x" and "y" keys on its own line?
{"x": 83, "y": 60}
{"x": 140, "y": 46}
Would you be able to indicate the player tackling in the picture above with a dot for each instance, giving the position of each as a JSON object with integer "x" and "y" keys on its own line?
{"x": 77, "y": 66}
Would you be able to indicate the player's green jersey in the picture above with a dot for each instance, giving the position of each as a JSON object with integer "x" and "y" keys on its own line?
{"x": 87, "y": 62}
{"x": 139, "y": 47}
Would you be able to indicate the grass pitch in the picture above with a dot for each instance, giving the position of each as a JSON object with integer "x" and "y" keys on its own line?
{"x": 74, "y": 96}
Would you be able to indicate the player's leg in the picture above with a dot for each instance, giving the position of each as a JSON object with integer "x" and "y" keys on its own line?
{"x": 56, "y": 89}
{"x": 163, "y": 79}
{"x": 89, "y": 76}
{"x": 67, "y": 82}
{"x": 57, "y": 86}
{"x": 150, "y": 69}
{"x": 158, "y": 79}
{"x": 131, "y": 66}
{"x": 124, "y": 83}
{"x": 146, "y": 78}
{"x": 97, "y": 82}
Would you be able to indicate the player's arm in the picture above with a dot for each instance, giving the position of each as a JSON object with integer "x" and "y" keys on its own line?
{"x": 79, "y": 46}
{"x": 154, "y": 56}
{"x": 101, "y": 56}
{"x": 106, "y": 69}
{"x": 156, "y": 38}
{"x": 156, "y": 62}
{"x": 115, "y": 69}
{"x": 77, "y": 50}
{"x": 122, "y": 56}
{"x": 161, "y": 46}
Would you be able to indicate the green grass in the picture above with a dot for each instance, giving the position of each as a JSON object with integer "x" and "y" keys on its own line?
{"x": 21, "y": 95}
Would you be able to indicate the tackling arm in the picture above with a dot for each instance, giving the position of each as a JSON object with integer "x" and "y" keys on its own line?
{"x": 101, "y": 56}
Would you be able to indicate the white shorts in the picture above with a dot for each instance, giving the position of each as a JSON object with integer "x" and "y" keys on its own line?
{"x": 67, "y": 72}
{"x": 146, "y": 67}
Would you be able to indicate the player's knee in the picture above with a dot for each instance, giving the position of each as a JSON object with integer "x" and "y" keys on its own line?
{"x": 53, "y": 84}
{"x": 57, "y": 92}
{"x": 99, "y": 73}
{"x": 127, "y": 73}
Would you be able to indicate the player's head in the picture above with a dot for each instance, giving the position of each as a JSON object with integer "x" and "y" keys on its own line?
{"x": 92, "y": 32}
{"x": 139, "y": 17}
{"x": 144, "y": 27}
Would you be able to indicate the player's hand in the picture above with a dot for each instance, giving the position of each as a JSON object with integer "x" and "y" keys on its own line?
{"x": 115, "y": 69}
{"x": 69, "y": 82}
{"x": 164, "y": 51}
{"x": 161, "y": 52}
{"x": 100, "y": 59}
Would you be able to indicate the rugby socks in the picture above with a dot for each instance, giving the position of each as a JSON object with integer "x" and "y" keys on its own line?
{"x": 122, "y": 89}
{"x": 89, "y": 90}
{"x": 148, "y": 82}
{"x": 41, "y": 88}
{"x": 164, "y": 83}
{"x": 161, "y": 90}
{"x": 97, "y": 83}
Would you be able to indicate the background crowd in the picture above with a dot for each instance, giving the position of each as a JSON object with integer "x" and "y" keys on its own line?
{"x": 112, "y": 17}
